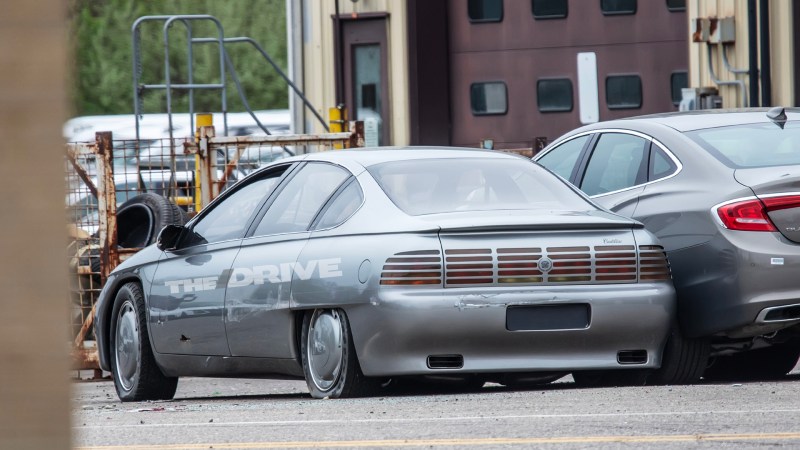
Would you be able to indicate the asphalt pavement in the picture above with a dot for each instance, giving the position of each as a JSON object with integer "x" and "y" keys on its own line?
{"x": 264, "y": 414}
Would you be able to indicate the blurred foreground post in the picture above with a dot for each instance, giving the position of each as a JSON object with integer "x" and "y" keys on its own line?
{"x": 34, "y": 387}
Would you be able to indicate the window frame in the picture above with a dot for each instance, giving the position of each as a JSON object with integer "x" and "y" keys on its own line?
{"x": 672, "y": 85}
{"x": 676, "y": 8}
{"x": 620, "y": 12}
{"x": 265, "y": 206}
{"x": 338, "y": 193}
{"x": 551, "y": 16}
{"x": 497, "y": 20}
{"x": 556, "y": 110}
{"x": 641, "y": 173}
{"x": 288, "y": 169}
{"x": 505, "y": 98}
{"x": 625, "y": 106}
{"x": 583, "y": 160}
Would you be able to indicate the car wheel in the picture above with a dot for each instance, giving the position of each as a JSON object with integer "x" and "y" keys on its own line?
{"x": 611, "y": 378}
{"x": 763, "y": 364}
{"x": 682, "y": 362}
{"x": 133, "y": 367}
{"x": 140, "y": 219}
{"x": 329, "y": 359}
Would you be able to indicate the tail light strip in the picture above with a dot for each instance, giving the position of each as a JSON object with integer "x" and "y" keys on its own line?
{"x": 503, "y": 266}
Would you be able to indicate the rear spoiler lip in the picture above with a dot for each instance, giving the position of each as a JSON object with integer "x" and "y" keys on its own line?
{"x": 545, "y": 227}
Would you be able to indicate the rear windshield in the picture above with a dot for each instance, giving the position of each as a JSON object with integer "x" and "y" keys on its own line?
{"x": 432, "y": 186}
{"x": 754, "y": 145}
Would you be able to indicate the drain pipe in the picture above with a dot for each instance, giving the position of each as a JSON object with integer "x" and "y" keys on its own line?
{"x": 719, "y": 82}
{"x": 752, "y": 50}
{"x": 766, "y": 73}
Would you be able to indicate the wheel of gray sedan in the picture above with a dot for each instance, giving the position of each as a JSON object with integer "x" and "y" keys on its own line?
{"x": 763, "y": 364}
{"x": 683, "y": 361}
{"x": 329, "y": 359}
{"x": 136, "y": 375}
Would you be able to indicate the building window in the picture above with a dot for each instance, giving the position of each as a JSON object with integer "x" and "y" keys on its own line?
{"x": 488, "y": 98}
{"x": 623, "y": 91}
{"x": 678, "y": 81}
{"x": 485, "y": 10}
{"x": 618, "y": 7}
{"x": 554, "y": 95}
{"x": 676, "y": 5}
{"x": 549, "y": 9}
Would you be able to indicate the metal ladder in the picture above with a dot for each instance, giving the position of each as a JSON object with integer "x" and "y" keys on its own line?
{"x": 224, "y": 62}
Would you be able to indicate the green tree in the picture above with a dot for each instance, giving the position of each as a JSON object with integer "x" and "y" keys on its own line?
{"x": 103, "y": 54}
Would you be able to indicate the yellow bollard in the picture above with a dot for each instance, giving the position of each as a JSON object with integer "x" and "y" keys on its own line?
{"x": 201, "y": 120}
{"x": 337, "y": 117}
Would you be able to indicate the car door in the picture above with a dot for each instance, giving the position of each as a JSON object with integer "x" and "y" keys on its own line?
{"x": 257, "y": 316}
{"x": 188, "y": 290}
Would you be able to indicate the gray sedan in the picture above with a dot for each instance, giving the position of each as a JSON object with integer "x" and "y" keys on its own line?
{"x": 721, "y": 189}
{"x": 348, "y": 268}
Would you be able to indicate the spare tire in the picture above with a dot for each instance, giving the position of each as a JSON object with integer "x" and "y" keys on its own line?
{"x": 140, "y": 219}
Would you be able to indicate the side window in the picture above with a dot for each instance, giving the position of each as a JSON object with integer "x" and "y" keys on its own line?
{"x": 554, "y": 95}
{"x": 342, "y": 207}
{"x": 229, "y": 218}
{"x": 485, "y": 10}
{"x": 301, "y": 199}
{"x": 617, "y": 7}
{"x": 488, "y": 98}
{"x": 661, "y": 165}
{"x": 624, "y": 91}
{"x": 562, "y": 159}
{"x": 617, "y": 162}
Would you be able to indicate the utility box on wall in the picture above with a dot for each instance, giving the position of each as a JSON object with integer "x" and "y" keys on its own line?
{"x": 700, "y": 98}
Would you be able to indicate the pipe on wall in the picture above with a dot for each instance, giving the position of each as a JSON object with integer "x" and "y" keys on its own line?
{"x": 752, "y": 50}
{"x": 766, "y": 73}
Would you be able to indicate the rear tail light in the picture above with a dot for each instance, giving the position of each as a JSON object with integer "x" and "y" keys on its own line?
{"x": 752, "y": 214}
{"x": 416, "y": 268}
{"x": 748, "y": 215}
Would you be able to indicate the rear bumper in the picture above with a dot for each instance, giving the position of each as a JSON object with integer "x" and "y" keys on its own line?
{"x": 397, "y": 332}
{"x": 728, "y": 286}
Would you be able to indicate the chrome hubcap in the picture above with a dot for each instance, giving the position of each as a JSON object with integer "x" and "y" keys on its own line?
{"x": 324, "y": 349}
{"x": 127, "y": 345}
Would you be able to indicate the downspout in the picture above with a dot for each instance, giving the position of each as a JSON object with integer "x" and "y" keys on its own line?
{"x": 752, "y": 50}
{"x": 719, "y": 82}
{"x": 766, "y": 75}
{"x": 338, "y": 55}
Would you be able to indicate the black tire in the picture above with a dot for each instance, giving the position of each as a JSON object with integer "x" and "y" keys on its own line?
{"x": 769, "y": 363}
{"x": 136, "y": 375}
{"x": 611, "y": 378}
{"x": 140, "y": 219}
{"x": 329, "y": 359}
{"x": 682, "y": 362}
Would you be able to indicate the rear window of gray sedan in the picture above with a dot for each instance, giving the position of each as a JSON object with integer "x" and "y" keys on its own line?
{"x": 754, "y": 145}
{"x": 431, "y": 186}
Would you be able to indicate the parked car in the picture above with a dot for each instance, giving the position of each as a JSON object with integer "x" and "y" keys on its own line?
{"x": 721, "y": 189}
{"x": 350, "y": 267}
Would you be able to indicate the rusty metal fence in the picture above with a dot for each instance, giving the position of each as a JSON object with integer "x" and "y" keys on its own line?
{"x": 104, "y": 176}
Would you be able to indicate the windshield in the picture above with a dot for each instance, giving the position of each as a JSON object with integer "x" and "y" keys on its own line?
{"x": 754, "y": 145}
{"x": 431, "y": 186}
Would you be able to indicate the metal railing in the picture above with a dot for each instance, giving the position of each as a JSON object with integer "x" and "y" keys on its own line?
{"x": 104, "y": 175}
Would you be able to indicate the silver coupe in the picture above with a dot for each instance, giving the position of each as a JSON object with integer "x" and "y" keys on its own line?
{"x": 348, "y": 268}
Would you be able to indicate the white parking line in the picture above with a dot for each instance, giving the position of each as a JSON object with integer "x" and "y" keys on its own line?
{"x": 433, "y": 419}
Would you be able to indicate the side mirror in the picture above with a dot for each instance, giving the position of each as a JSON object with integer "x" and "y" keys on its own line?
{"x": 168, "y": 237}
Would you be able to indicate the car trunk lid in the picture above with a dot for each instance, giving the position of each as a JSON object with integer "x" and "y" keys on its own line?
{"x": 545, "y": 249}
